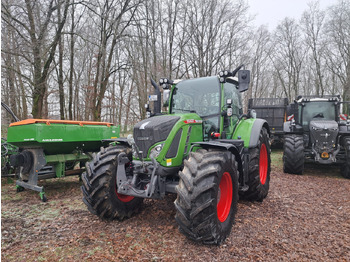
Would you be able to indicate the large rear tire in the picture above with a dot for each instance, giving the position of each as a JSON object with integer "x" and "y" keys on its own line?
{"x": 293, "y": 154}
{"x": 346, "y": 165}
{"x": 207, "y": 196}
{"x": 100, "y": 189}
{"x": 259, "y": 170}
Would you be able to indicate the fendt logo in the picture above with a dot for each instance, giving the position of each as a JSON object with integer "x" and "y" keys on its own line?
{"x": 144, "y": 125}
{"x": 325, "y": 135}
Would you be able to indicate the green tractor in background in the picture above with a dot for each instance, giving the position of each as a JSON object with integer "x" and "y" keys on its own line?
{"x": 204, "y": 149}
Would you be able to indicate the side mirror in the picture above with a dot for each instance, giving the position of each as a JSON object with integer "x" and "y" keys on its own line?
{"x": 166, "y": 95}
{"x": 229, "y": 107}
{"x": 243, "y": 80}
{"x": 251, "y": 113}
{"x": 148, "y": 111}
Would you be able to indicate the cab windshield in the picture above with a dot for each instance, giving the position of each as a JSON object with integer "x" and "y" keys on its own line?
{"x": 317, "y": 111}
{"x": 201, "y": 96}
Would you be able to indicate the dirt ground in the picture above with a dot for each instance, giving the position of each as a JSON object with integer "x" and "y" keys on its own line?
{"x": 303, "y": 218}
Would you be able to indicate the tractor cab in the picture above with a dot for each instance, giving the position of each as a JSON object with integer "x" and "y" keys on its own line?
{"x": 315, "y": 110}
{"x": 198, "y": 110}
{"x": 210, "y": 101}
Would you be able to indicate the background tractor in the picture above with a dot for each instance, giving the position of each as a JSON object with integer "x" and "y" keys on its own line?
{"x": 317, "y": 130}
{"x": 204, "y": 149}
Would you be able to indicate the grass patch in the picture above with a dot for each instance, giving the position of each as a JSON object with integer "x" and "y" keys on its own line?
{"x": 276, "y": 158}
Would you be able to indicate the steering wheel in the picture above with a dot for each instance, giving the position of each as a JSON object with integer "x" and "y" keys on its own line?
{"x": 319, "y": 115}
{"x": 201, "y": 110}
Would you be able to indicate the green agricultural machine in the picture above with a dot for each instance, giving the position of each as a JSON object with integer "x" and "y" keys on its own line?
{"x": 54, "y": 148}
{"x": 7, "y": 150}
{"x": 204, "y": 149}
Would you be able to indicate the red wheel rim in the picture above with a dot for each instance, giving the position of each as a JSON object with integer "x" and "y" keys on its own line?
{"x": 263, "y": 164}
{"x": 124, "y": 198}
{"x": 224, "y": 197}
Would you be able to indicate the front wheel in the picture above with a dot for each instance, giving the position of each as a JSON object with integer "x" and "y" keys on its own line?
{"x": 100, "y": 190}
{"x": 259, "y": 170}
{"x": 293, "y": 154}
{"x": 207, "y": 196}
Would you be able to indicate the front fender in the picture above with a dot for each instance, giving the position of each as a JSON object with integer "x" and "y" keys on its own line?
{"x": 287, "y": 126}
{"x": 229, "y": 145}
{"x": 249, "y": 130}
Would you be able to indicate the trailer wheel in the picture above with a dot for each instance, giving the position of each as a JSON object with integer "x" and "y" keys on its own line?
{"x": 293, "y": 154}
{"x": 207, "y": 196}
{"x": 100, "y": 189}
{"x": 259, "y": 170}
{"x": 346, "y": 165}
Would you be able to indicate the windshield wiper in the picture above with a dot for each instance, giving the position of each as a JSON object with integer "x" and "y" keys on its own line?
{"x": 185, "y": 110}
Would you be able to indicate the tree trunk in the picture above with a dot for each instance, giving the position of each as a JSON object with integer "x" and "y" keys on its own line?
{"x": 60, "y": 68}
{"x": 71, "y": 65}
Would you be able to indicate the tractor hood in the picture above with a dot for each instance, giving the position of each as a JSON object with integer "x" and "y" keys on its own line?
{"x": 153, "y": 130}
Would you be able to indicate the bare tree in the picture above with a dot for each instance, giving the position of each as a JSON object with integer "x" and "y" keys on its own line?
{"x": 288, "y": 56}
{"x": 114, "y": 17}
{"x": 312, "y": 24}
{"x": 215, "y": 31}
{"x": 107, "y": 51}
{"x": 338, "y": 48}
{"x": 35, "y": 33}
{"x": 261, "y": 64}
{"x": 60, "y": 66}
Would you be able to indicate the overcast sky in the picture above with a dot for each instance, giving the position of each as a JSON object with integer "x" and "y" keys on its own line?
{"x": 271, "y": 12}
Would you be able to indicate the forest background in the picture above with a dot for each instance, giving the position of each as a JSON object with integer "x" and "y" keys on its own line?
{"x": 93, "y": 60}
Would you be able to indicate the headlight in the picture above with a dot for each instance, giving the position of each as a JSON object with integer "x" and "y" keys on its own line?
{"x": 155, "y": 151}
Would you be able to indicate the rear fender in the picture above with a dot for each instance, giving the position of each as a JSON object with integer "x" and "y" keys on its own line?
{"x": 255, "y": 133}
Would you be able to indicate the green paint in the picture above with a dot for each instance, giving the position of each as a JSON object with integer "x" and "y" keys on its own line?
{"x": 223, "y": 102}
{"x": 60, "y": 168}
{"x": 195, "y": 135}
{"x": 19, "y": 188}
{"x": 42, "y": 195}
{"x": 61, "y": 138}
{"x": 61, "y": 158}
{"x": 59, "y": 161}
{"x": 243, "y": 130}
{"x": 192, "y": 131}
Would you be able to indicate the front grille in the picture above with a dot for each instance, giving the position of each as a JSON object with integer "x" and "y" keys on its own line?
{"x": 153, "y": 130}
{"x": 323, "y": 134}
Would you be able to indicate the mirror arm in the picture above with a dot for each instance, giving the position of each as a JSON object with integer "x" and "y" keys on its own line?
{"x": 234, "y": 72}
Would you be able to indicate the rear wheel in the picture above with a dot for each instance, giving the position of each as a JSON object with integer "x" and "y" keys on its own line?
{"x": 293, "y": 154}
{"x": 100, "y": 189}
{"x": 259, "y": 170}
{"x": 346, "y": 165}
{"x": 207, "y": 196}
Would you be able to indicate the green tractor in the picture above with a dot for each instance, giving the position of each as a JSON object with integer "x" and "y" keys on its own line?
{"x": 204, "y": 149}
